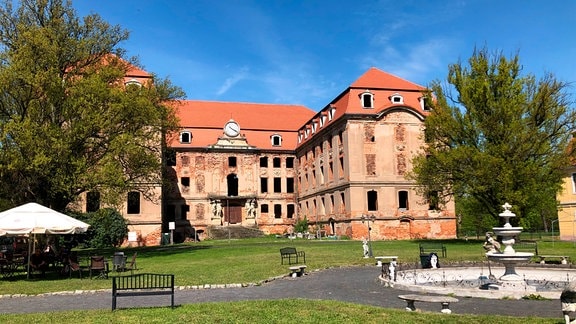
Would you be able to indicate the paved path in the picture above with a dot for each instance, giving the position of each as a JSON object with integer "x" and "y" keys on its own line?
{"x": 354, "y": 284}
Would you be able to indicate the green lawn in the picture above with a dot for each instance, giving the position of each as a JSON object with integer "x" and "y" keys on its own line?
{"x": 254, "y": 260}
{"x": 251, "y": 261}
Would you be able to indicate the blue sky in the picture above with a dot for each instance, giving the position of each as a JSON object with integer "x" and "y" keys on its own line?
{"x": 307, "y": 52}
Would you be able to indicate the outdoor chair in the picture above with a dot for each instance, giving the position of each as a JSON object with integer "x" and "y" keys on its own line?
{"x": 132, "y": 265}
{"x": 100, "y": 265}
{"x": 74, "y": 266}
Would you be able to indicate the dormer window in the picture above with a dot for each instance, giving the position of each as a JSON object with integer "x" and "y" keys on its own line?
{"x": 276, "y": 140}
{"x": 331, "y": 112}
{"x": 314, "y": 126}
{"x": 133, "y": 82}
{"x": 185, "y": 137}
{"x": 367, "y": 99}
{"x": 397, "y": 99}
{"x": 424, "y": 103}
{"x": 322, "y": 120}
{"x": 300, "y": 136}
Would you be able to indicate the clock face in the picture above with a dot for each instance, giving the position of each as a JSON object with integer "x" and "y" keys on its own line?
{"x": 232, "y": 129}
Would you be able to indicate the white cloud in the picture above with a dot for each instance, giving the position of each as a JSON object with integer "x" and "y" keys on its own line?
{"x": 232, "y": 80}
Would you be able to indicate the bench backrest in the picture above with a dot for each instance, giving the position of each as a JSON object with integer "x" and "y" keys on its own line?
{"x": 143, "y": 281}
{"x": 288, "y": 250}
{"x": 526, "y": 246}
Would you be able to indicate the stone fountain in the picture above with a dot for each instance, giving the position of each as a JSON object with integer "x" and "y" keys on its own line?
{"x": 507, "y": 256}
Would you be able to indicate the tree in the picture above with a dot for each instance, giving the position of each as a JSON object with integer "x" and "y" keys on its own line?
{"x": 502, "y": 138}
{"x": 68, "y": 124}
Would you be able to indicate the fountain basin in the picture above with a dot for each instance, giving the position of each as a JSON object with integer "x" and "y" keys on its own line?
{"x": 507, "y": 231}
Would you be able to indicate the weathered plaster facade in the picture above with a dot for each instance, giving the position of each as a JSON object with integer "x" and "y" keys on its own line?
{"x": 268, "y": 165}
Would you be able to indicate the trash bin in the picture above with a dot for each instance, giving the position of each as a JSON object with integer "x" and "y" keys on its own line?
{"x": 425, "y": 261}
{"x": 165, "y": 239}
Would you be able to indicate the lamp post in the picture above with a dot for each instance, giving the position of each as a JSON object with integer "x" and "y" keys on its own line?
{"x": 368, "y": 219}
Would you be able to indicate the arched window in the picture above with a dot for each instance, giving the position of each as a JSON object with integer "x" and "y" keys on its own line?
{"x": 185, "y": 137}
{"x": 367, "y": 99}
{"x": 276, "y": 140}
{"x": 232, "y": 180}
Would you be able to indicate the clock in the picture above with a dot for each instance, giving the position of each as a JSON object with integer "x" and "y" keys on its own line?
{"x": 232, "y": 129}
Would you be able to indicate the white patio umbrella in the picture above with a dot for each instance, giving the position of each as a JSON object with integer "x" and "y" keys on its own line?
{"x": 33, "y": 218}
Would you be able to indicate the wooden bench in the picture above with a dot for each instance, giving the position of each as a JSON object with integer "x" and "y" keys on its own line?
{"x": 144, "y": 284}
{"x": 443, "y": 300}
{"x": 563, "y": 259}
{"x": 429, "y": 247}
{"x": 297, "y": 271}
{"x": 290, "y": 254}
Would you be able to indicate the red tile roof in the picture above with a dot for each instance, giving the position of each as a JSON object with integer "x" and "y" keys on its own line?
{"x": 206, "y": 119}
{"x": 383, "y": 86}
{"x": 375, "y": 78}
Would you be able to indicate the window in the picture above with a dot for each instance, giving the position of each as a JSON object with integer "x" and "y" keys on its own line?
{"x": 232, "y": 161}
{"x": 276, "y": 162}
{"x": 425, "y": 103}
{"x": 264, "y": 209}
{"x": 290, "y": 185}
{"x": 433, "y": 200}
{"x": 277, "y": 184}
{"x": 290, "y": 211}
{"x": 184, "y": 209}
{"x": 133, "y": 82}
{"x": 185, "y": 181}
{"x": 170, "y": 157}
{"x": 185, "y": 137}
{"x": 133, "y": 202}
{"x": 289, "y": 162}
{"x": 331, "y": 112}
{"x": 367, "y": 99}
{"x": 372, "y": 197}
{"x": 403, "y": 200}
{"x": 574, "y": 183}
{"x": 232, "y": 180}
{"x": 92, "y": 201}
{"x": 264, "y": 162}
{"x": 263, "y": 185}
{"x": 277, "y": 211}
{"x": 185, "y": 160}
{"x": 276, "y": 140}
{"x": 397, "y": 98}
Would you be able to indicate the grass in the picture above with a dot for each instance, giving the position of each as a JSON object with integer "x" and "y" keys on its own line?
{"x": 251, "y": 261}
{"x": 273, "y": 311}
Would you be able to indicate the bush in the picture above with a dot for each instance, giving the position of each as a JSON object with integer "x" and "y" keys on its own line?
{"x": 301, "y": 226}
{"x": 107, "y": 228}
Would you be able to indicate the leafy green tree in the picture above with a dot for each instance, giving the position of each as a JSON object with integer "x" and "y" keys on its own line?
{"x": 68, "y": 125}
{"x": 108, "y": 228}
{"x": 495, "y": 136}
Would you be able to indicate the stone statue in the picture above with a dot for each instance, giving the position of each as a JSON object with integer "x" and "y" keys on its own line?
{"x": 250, "y": 208}
{"x": 434, "y": 261}
{"x": 568, "y": 301}
{"x": 491, "y": 245}
{"x": 365, "y": 248}
{"x": 218, "y": 212}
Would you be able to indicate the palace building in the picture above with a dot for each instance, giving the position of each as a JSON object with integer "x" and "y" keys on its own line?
{"x": 263, "y": 167}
